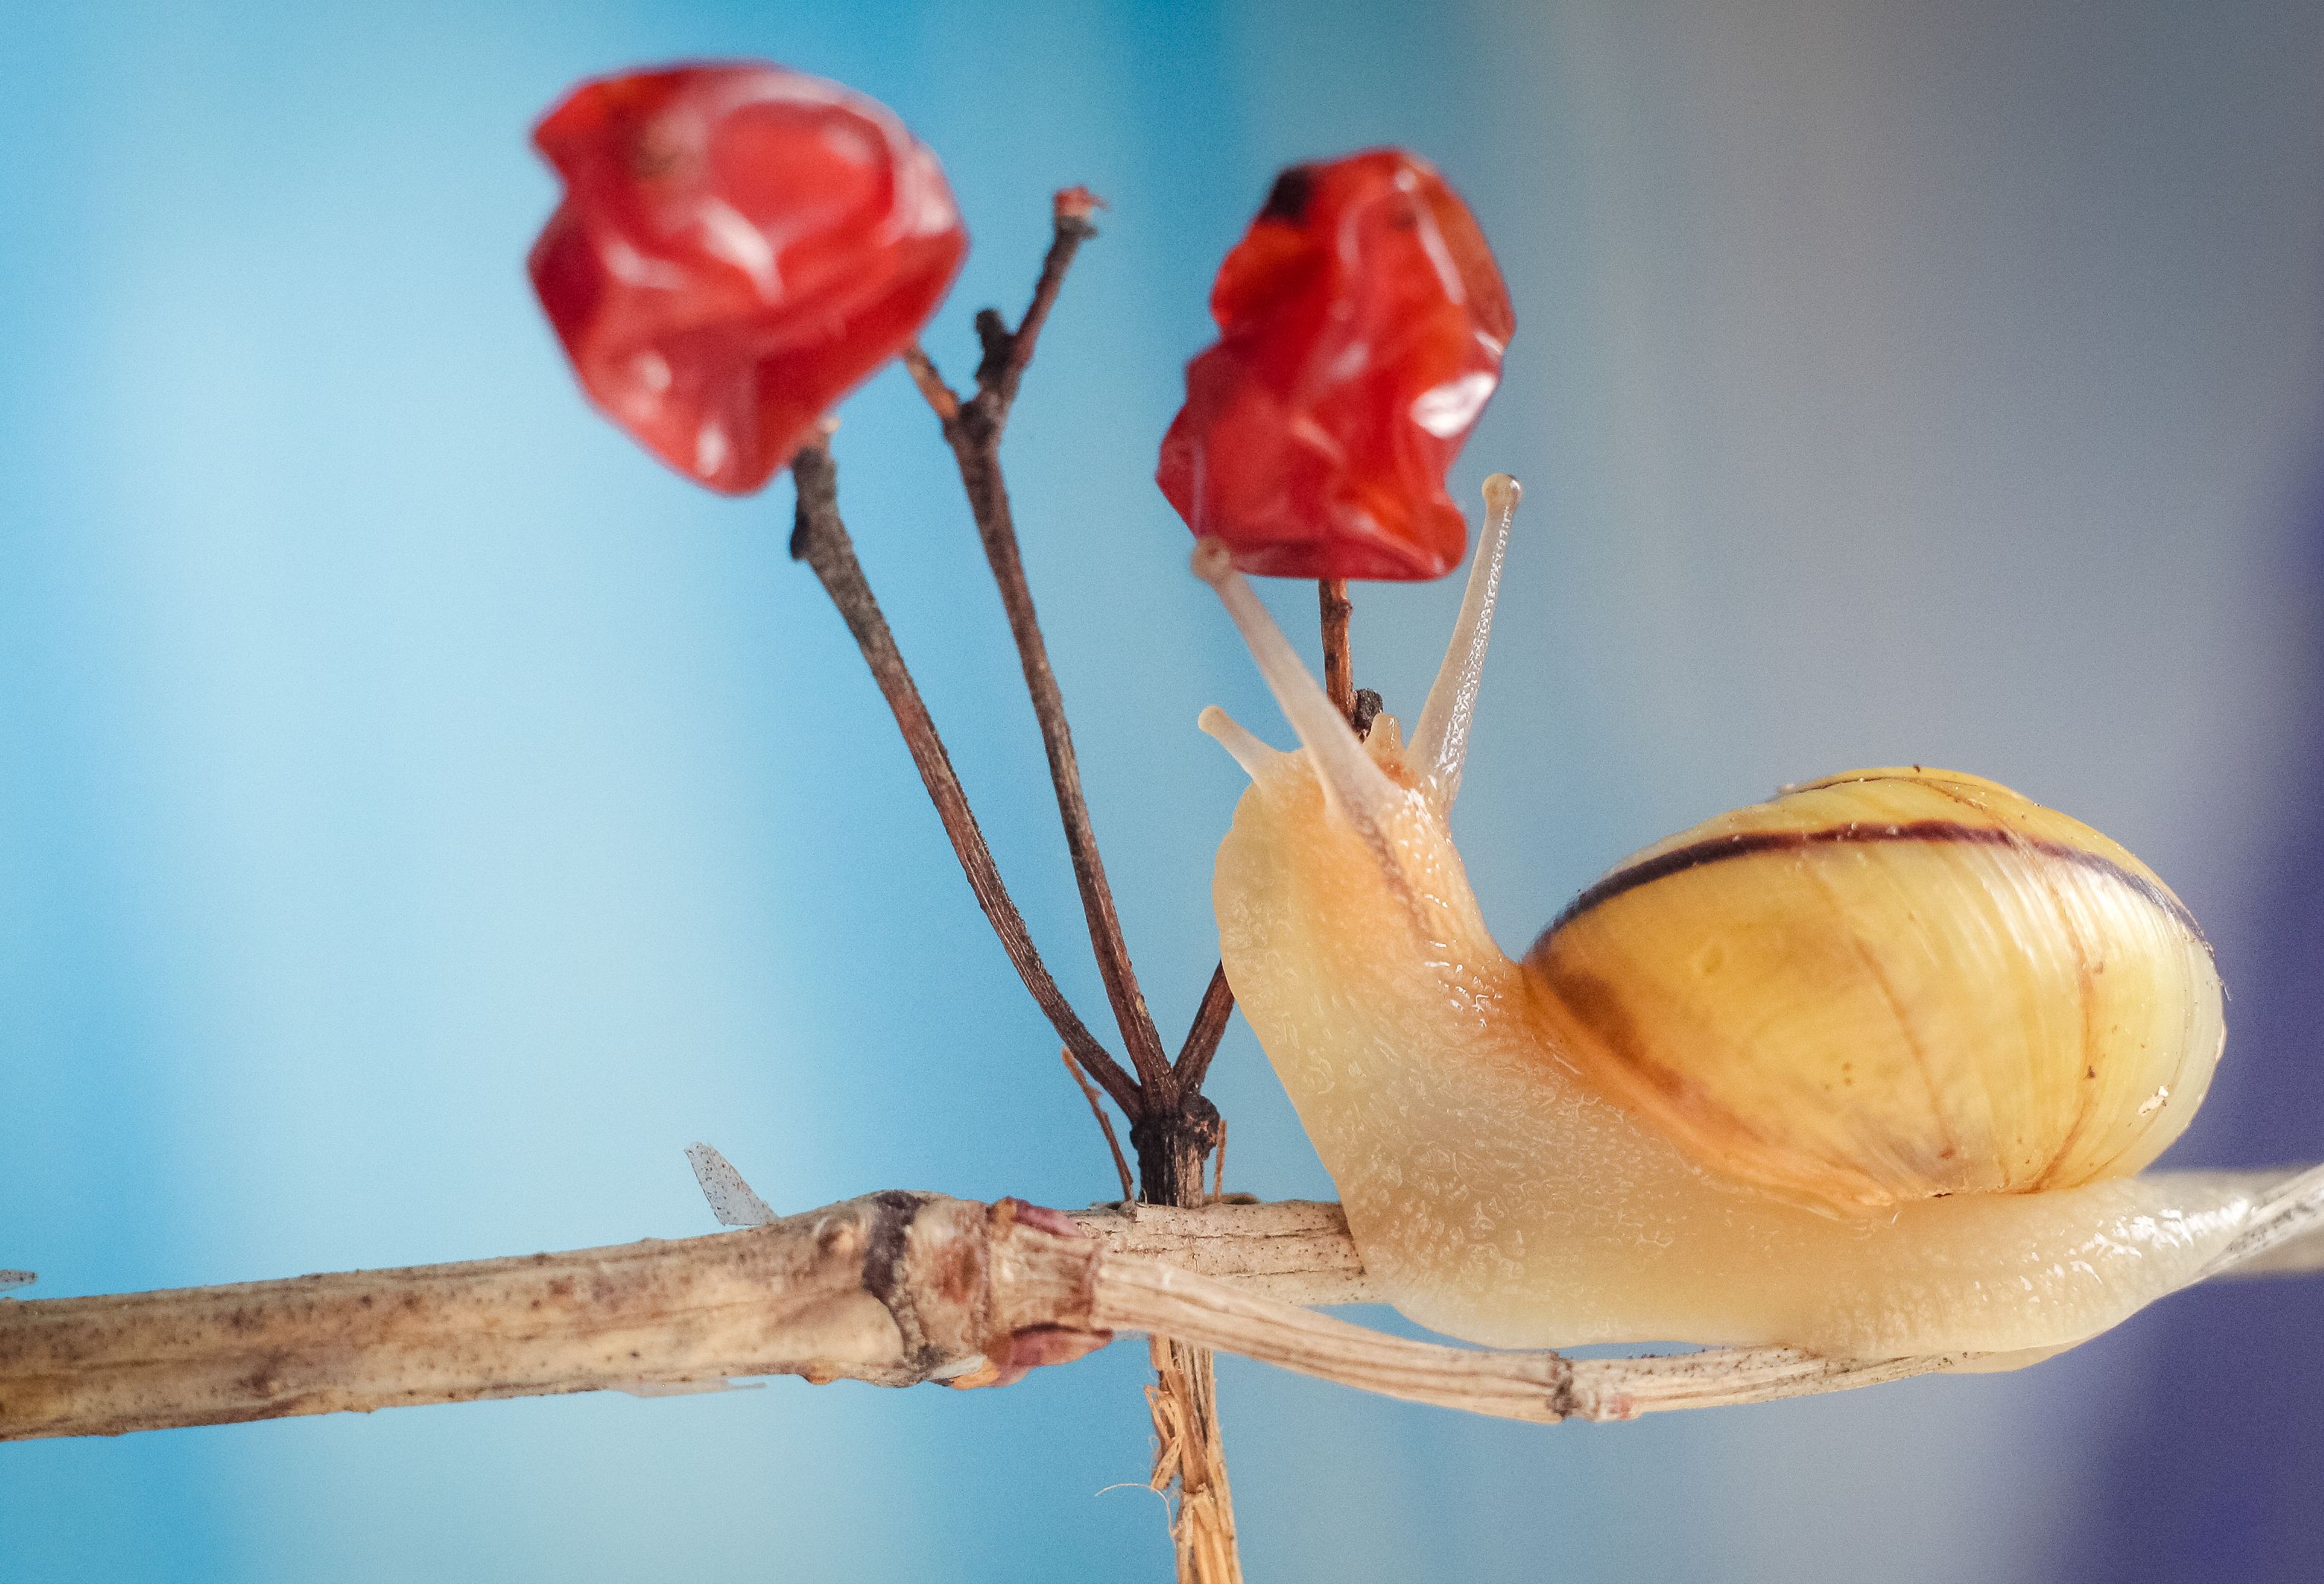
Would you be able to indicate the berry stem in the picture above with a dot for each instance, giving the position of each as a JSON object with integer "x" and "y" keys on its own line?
{"x": 1339, "y": 670}
{"x": 820, "y": 539}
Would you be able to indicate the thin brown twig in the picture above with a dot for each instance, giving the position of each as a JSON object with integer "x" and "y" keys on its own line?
{"x": 932, "y": 390}
{"x": 1070, "y": 209}
{"x": 1339, "y": 670}
{"x": 1105, "y": 1124}
{"x": 973, "y": 429}
{"x": 820, "y": 539}
{"x": 1210, "y": 1025}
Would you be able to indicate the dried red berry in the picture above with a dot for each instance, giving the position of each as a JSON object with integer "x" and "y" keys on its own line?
{"x": 1361, "y": 321}
{"x": 740, "y": 246}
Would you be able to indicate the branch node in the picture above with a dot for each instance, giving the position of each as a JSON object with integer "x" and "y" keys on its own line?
{"x": 992, "y": 334}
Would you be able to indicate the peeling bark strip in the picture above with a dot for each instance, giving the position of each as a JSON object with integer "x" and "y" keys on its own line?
{"x": 1292, "y": 1250}
{"x": 892, "y": 1288}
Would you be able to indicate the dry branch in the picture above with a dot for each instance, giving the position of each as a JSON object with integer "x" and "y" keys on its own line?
{"x": 973, "y": 429}
{"x": 892, "y": 1288}
{"x": 820, "y": 539}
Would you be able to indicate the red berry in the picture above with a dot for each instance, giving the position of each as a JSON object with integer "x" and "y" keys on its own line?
{"x": 740, "y": 246}
{"x": 1361, "y": 322}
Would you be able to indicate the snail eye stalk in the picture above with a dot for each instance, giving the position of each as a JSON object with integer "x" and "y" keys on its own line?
{"x": 1440, "y": 740}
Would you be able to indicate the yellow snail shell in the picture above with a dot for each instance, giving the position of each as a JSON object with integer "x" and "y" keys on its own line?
{"x": 1890, "y": 985}
{"x": 1862, "y": 1093}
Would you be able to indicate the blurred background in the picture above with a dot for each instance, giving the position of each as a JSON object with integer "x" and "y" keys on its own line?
{"x": 421, "y": 815}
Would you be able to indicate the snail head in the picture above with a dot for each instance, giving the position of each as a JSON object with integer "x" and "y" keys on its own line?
{"x": 1359, "y": 825}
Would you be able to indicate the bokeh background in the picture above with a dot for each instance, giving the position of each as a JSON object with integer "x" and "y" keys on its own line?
{"x": 420, "y": 816}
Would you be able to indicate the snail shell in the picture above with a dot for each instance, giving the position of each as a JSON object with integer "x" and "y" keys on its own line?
{"x": 1891, "y": 985}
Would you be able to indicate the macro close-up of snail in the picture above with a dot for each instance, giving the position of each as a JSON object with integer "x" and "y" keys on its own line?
{"x": 1870, "y": 1068}
{"x": 591, "y": 587}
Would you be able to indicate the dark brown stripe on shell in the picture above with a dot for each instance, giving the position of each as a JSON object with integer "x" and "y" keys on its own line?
{"x": 1746, "y": 843}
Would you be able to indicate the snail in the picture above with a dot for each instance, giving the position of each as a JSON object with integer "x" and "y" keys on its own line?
{"x": 1870, "y": 1068}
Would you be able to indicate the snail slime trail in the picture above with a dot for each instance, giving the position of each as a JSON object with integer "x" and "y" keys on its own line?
{"x": 1870, "y": 1068}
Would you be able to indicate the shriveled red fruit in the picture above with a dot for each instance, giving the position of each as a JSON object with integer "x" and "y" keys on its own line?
{"x": 740, "y": 246}
{"x": 1361, "y": 322}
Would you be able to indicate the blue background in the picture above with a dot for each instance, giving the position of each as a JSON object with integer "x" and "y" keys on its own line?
{"x": 420, "y": 816}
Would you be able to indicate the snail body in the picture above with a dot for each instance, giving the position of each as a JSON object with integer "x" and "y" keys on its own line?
{"x": 1870, "y": 1068}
